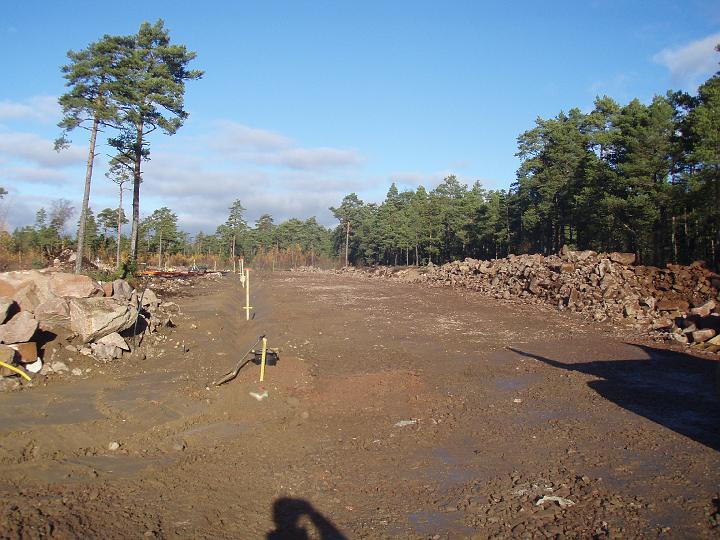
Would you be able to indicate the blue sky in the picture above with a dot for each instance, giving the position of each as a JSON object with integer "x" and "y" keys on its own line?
{"x": 305, "y": 102}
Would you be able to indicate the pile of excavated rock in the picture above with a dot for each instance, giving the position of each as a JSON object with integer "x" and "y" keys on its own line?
{"x": 676, "y": 302}
{"x": 101, "y": 320}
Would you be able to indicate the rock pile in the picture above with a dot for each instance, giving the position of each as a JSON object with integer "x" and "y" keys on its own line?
{"x": 676, "y": 302}
{"x": 38, "y": 307}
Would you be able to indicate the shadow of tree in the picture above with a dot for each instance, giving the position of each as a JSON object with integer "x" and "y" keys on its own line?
{"x": 288, "y": 515}
{"x": 675, "y": 390}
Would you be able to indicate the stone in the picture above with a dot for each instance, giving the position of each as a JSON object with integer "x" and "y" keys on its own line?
{"x": 604, "y": 267}
{"x": 105, "y": 352}
{"x": 93, "y": 318}
{"x": 714, "y": 341}
{"x": 150, "y": 299}
{"x": 668, "y": 304}
{"x": 59, "y": 367}
{"x": 649, "y": 302}
{"x": 12, "y": 282}
{"x": 53, "y": 313}
{"x": 114, "y": 446}
{"x": 585, "y": 255}
{"x": 18, "y": 329}
{"x": 6, "y": 308}
{"x": 705, "y": 309}
{"x": 626, "y": 259}
{"x": 662, "y": 323}
{"x": 25, "y": 353}
{"x": 7, "y": 354}
{"x": 74, "y": 285}
{"x": 32, "y": 295}
{"x": 700, "y": 336}
{"x": 114, "y": 339}
{"x": 77, "y": 372}
{"x": 107, "y": 288}
{"x": 573, "y": 298}
{"x": 631, "y": 309}
{"x": 122, "y": 289}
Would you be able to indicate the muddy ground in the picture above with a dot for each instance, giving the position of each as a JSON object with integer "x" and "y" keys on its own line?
{"x": 395, "y": 411}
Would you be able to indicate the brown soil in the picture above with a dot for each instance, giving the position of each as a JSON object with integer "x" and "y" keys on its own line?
{"x": 509, "y": 404}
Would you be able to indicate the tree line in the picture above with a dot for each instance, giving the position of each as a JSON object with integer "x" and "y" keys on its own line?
{"x": 292, "y": 241}
{"x": 641, "y": 178}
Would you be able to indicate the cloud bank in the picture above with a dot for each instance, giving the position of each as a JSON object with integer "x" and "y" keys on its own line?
{"x": 689, "y": 64}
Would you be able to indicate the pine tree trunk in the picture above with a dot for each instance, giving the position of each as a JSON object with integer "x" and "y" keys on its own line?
{"x": 687, "y": 237}
{"x": 347, "y": 242}
{"x": 119, "y": 225}
{"x": 86, "y": 197}
{"x": 135, "y": 232}
{"x": 673, "y": 237}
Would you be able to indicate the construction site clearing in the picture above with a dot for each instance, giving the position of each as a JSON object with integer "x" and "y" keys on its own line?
{"x": 389, "y": 408}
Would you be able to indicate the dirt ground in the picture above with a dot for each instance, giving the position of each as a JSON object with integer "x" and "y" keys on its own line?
{"x": 395, "y": 411}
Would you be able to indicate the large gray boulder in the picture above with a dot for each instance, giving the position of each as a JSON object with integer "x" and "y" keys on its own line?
{"x": 121, "y": 289}
{"x": 53, "y": 313}
{"x": 18, "y": 329}
{"x": 93, "y": 318}
{"x": 28, "y": 288}
{"x": 150, "y": 299}
{"x": 74, "y": 286}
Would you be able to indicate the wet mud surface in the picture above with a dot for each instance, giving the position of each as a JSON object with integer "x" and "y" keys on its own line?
{"x": 395, "y": 411}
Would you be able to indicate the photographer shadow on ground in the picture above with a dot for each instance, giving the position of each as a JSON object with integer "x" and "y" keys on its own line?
{"x": 292, "y": 518}
{"x": 676, "y": 390}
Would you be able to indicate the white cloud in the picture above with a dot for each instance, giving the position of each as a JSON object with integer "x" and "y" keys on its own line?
{"x": 33, "y": 148}
{"x": 35, "y": 175}
{"x": 37, "y": 108}
{"x": 264, "y": 147}
{"x": 318, "y": 158}
{"x": 690, "y": 63}
{"x": 232, "y": 136}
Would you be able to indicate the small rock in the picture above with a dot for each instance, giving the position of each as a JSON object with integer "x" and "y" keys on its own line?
{"x": 114, "y": 446}
{"x": 704, "y": 310}
{"x": 59, "y": 367}
{"x": 77, "y": 372}
{"x": 115, "y": 340}
{"x": 705, "y": 334}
